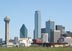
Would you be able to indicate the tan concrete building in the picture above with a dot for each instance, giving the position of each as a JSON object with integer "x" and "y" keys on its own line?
{"x": 57, "y": 34}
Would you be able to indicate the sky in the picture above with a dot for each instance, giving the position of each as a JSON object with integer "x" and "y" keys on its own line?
{"x": 22, "y": 12}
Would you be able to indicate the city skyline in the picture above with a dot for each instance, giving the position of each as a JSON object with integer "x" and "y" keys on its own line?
{"x": 22, "y": 12}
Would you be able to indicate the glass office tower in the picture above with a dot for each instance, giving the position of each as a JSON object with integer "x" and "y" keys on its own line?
{"x": 23, "y": 32}
{"x": 37, "y": 32}
{"x": 50, "y": 30}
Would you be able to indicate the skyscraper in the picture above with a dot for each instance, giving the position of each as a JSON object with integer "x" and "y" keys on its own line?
{"x": 50, "y": 30}
{"x": 7, "y": 20}
{"x": 37, "y": 32}
{"x": 23, "y": 32}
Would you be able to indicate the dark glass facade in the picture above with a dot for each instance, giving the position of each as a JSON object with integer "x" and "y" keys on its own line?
{"x": 43, "y": 30}
{"x": 23, "y": 32}
{"x": 50, "y": 30}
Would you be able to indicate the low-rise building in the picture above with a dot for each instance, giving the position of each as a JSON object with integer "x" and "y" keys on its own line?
{"x": 25, "y": 42}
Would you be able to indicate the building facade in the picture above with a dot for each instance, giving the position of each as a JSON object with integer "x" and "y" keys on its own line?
{"x": 1, "y": 41}
{"x": 61, "y": 28}
{"x": 16, "y": 40}
{"x": 57, "y": 35}
{"x": 50, "y": 30}
{"x": 23, "y": 32}
{"x": 43, "y": 30}
{"x": 44, "y": 37}
{"x": 37, "y": 30}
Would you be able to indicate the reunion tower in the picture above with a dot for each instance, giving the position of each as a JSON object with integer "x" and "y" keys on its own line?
{"x": 7, "y": 20}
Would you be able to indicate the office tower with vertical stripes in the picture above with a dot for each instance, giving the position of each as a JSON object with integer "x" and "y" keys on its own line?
{"x": 37, "y": 30}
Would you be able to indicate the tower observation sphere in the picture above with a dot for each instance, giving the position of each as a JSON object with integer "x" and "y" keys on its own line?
{"x": 7, "y": 19}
